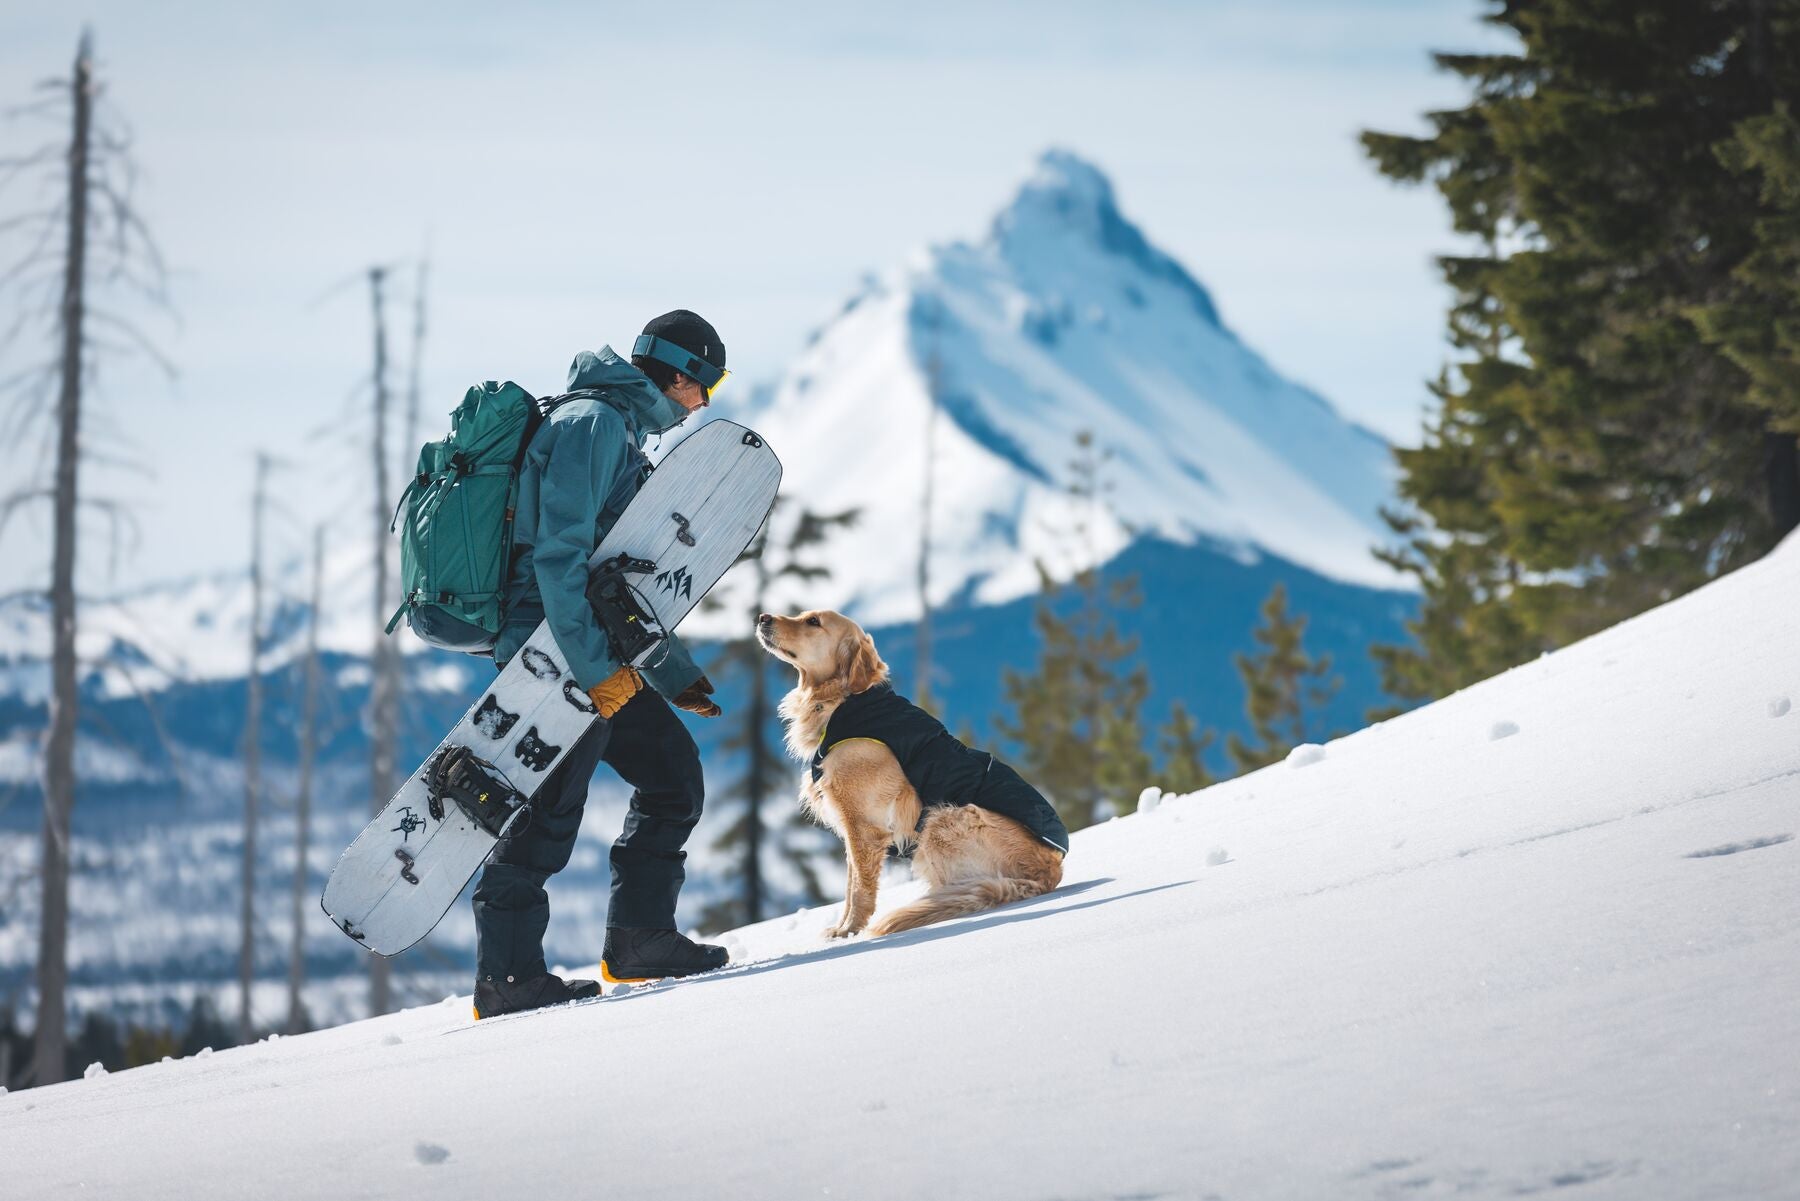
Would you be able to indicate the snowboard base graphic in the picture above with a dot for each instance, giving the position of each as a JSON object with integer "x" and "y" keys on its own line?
{"x": 687, "y": 525}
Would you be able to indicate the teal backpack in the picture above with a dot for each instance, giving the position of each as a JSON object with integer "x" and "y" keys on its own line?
{"x": 456, "y": 519}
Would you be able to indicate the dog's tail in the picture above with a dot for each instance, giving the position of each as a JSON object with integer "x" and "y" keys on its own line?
{"x": 957, "y": 900}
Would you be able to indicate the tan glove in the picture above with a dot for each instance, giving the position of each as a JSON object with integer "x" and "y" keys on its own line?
{"x": 695, "y": 698}
{"x": 610, "y": 694}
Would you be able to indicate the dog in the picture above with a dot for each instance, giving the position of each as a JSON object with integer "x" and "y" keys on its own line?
{"x": 886, "y": 773}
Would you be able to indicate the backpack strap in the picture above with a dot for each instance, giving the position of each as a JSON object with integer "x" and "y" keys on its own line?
{"x": 540, "y": 413}
{"x": 440, "y": 598}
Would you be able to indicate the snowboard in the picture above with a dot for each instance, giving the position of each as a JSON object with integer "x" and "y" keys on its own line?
{"x": 688, "y": 523}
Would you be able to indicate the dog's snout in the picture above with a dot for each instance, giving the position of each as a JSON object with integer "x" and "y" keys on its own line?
{"x": 765, "y": 620}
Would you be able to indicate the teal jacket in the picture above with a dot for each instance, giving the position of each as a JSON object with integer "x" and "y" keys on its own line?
{"x": 582, "y": 468}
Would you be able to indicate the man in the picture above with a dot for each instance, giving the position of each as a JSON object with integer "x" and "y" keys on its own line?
{"x": 581, "y": 469}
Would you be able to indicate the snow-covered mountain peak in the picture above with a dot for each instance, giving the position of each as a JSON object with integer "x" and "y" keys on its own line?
{"x": 1064, "y": 190}
{"x": 1065, "y": 213}
{"x": 976, "y": 368}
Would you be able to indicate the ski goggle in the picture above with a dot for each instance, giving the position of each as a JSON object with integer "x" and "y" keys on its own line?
{"x": 690, "y": 365}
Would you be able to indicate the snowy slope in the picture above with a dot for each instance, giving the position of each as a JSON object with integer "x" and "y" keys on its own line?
{"x": 1543, "y": 935}
{"x": 1063, "y": 319}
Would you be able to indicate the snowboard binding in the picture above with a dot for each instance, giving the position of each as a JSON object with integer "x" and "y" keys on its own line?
{"x": 631, "y": 627}
{"x": 475, "y": 785}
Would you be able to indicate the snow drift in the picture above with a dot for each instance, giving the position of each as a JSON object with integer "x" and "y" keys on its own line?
{"x": 1541, "y": 935}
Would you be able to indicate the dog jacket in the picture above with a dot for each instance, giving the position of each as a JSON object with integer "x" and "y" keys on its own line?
{"x": 941, "y": 770}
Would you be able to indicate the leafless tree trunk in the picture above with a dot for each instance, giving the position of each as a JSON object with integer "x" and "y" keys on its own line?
{"x": 259, "y": 499}
{"x": 384, "y": 688}
{"x": 59, "y": 744}
{"x": 93, "y": 231}
{"x": 411, "y": 443}
{"x": 309, "y": 745}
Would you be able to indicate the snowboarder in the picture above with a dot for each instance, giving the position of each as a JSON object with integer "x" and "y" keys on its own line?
{"x": 581, "y": 469}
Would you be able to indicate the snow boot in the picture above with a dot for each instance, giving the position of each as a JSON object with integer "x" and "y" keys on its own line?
{"x": 635, "y": 954}
{"x": 494, "y": 997}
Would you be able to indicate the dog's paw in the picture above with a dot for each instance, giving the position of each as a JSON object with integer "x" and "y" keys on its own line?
{"x": 842, "y": 930}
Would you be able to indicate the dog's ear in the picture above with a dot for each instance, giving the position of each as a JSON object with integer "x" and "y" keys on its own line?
{"x": 859, "y": 666}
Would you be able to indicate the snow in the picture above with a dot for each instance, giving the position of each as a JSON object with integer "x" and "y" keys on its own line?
{"x": 95, "y": 761}
{"x": 1305, "y": 755}
{"x": 1431, "y": 964}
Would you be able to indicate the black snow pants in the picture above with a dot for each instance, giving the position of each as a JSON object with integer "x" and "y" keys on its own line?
{"x": 654, "y": 753}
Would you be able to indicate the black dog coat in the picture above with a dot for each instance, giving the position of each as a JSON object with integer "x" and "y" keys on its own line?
{"x": 941, "y": 770}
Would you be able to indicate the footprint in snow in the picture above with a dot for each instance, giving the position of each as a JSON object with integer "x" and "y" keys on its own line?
{"x": 1384, "y": 1165}
{"x": 1732, "y": 848}
{"x": 1779, "y": 706}
{"x": 430, "y": 1153}
{"x": 1502, "y": 729}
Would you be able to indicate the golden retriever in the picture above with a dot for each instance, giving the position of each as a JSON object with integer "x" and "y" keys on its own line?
{"x": 972, "y": 857}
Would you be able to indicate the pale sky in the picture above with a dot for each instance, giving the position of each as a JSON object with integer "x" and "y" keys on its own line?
{"x": 577, "y": 168}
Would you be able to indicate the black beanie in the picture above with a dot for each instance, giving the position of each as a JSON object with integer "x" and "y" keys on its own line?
{"x": 692, "y": 332}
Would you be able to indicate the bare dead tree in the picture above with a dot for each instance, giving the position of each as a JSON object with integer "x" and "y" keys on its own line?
{"x": 384, "y": 687}
{"x": 309, "y": 749}
{"x": 59, "y": 743}
{"x": 259, "y": 501}
{"x": 102, "y": 238}
{"x": 411, "y": 442}
{"x": 381, "y": 718}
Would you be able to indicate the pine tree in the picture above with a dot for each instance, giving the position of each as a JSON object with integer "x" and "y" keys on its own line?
{"x": 767, "y": 770}
{"x": 1758, "y": 326}
{"x": 1076, "y": 718}
{"x": 1595, "y": 449}
{"x": 1184, "y": 745}
{"x": 1283, "y": 687}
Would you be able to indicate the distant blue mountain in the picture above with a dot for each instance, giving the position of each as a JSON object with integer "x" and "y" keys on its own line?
{"x": 1199, "y": 606}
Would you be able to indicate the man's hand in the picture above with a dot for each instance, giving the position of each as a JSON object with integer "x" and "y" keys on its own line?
{"x": 693, "y": 698}
{"x": 610, "y": 694}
